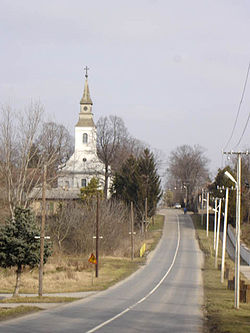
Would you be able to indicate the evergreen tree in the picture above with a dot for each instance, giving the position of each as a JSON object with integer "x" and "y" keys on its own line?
{"x": 126, "y": 182}
{"x": 138, "y": 180}
{"x": 89, "y": 193}
{"x": 18, "y": 245}
{"x": 221, "y": 181}
{"x": 150, "y": 184}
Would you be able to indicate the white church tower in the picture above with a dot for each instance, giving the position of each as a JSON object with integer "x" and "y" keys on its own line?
{"x": 84, "y": 164}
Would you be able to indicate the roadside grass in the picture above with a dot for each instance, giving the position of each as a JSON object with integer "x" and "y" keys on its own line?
{"x": 218, "y": 300}
{"x": 39, "y": 299}
{"x": 7, "y": 313}
{"x": 74, "y": 273}
{"x": 245, "y": 233}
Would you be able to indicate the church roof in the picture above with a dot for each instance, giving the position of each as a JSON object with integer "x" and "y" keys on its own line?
{"x": 83, "y": 122}
{"x": 86, "y": 95}
{"x": 55, "y": 193}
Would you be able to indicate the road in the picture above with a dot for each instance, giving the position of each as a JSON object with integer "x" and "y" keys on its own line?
{"x": 166, "y": 295}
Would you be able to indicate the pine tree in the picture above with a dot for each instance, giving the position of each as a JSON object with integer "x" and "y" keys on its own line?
{"x": 150, "y": 184}
{"x": 89, "y": 193}
{"x": 138, "y": 180}
{"x": 19, "y": 246}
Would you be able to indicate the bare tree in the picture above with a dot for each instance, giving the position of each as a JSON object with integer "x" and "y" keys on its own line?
{"x": 187, "y": 169}
{"x": 22, "y": 152}
{"x": 55, "y": 144}
{"x": 111, "y": 132}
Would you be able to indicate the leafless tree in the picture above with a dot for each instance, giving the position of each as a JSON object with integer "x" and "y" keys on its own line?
{"x": 111, "y": 132}
{"x": 22, "y": 152}
{"x": 187, "y": 169}
{"x": 115, "y": 145}
{"x": 60, "y": 225}
{"x": 55, "y": 144}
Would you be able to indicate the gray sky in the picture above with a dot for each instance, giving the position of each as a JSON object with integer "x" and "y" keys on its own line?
{"x": 173, "y": 70}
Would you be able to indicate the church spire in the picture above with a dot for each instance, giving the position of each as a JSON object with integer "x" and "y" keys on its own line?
{"x": 86, "y": 115}
{"x": 86, "y": 95}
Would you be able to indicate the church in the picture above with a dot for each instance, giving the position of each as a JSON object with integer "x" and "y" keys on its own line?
{"x": 81, "y": 167}
{"x": 84, "y": 164}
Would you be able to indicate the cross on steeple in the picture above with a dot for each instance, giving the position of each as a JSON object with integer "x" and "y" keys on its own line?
{"x": 86, "y": 71}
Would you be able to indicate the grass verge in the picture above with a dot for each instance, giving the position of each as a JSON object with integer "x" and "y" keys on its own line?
{"x": 7, "y": 313}
{"x": 74, "y": 273}
{"x": 219, "y": 309}
{"x": 37, "y": 299}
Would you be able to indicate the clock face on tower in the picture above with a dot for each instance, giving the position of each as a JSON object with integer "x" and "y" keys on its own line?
{"x": 85, "y": 108}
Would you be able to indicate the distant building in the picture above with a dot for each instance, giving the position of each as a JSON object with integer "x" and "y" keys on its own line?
{"x": 81, "y": 167}
{"x": 84, "y": 164}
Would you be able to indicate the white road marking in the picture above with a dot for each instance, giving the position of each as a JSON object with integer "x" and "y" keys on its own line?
{"x": 150, "y": 293}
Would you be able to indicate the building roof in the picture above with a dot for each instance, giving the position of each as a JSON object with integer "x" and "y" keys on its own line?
{"x": 86, "y": 95}
{"x": 55, "y": 194}
{"x": 85, "y": 122}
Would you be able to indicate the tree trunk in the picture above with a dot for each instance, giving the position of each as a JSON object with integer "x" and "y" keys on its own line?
{"x": 18, "y": 280}
{"x": 106, "y": 182}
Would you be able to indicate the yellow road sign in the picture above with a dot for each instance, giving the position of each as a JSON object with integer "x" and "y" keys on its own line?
{"x": 92, "y": 259}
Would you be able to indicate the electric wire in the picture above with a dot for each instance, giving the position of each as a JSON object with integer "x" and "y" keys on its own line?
{"x": 239, "y": 107}
{"x": 244, "y": 130}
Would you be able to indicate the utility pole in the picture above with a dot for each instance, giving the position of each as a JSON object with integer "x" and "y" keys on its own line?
{"x": 97, "y": 235}
{"x": 42, "y": 231}
{"x": 207, "y": 212}
{"x": 132, "y": 231}
{"x": 217, "y": 235}
{"x": 238, "y": 216}
{"x": 215, "y": 220}
{"x": 224, "y": 239}
{"x": 237, "y": 259}
{"x": 202, "y": 198}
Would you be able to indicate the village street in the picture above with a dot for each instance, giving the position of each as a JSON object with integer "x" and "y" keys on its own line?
{"x": 166, "y": 295}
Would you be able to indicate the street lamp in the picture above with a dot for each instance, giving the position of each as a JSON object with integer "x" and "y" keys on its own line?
{"x": 228, "y": 174}
{"x": 237, "y": 243}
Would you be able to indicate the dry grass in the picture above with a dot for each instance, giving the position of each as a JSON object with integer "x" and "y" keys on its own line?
{"x": 39, "y": 299}
{"x": 74, "y": 273}
{"x": 245, "y": 233}
{"x": 219, "y": 302}
{"x": 7, "y": 313}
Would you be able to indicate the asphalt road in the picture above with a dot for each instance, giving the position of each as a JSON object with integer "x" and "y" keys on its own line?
{"x": 164, "y": 296}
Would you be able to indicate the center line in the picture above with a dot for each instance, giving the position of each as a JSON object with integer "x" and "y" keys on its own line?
{"x": 149, "y": 294}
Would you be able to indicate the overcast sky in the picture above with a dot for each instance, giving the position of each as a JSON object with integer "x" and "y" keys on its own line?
{"x": 172, "y": 70}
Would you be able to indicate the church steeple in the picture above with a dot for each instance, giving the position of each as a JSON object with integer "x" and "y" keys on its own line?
{"x": 86, "y": 95}
{"x": 86, "y": 115}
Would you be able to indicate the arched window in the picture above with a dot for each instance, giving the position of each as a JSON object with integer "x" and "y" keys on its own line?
{"x": 85, "y": 138}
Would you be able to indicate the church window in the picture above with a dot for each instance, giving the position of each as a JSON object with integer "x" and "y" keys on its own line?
{"x": 85, "y": 138}
{"x": 83, "y": 182}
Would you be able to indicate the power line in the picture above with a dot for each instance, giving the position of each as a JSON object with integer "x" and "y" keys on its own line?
{"x": 244, "y": 130}
{"x": 239, "y": 107}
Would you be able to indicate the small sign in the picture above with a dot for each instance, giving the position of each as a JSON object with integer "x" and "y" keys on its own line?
{"x": 142, "y": 250}
{"x": 92, "y": 259}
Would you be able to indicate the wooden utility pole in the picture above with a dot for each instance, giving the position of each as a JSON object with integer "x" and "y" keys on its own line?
{"x": 97, "y": 235}
{"x": 146, "y": 214}
{"x": 132, "y": 231}
{"x": 40, "y": 288}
